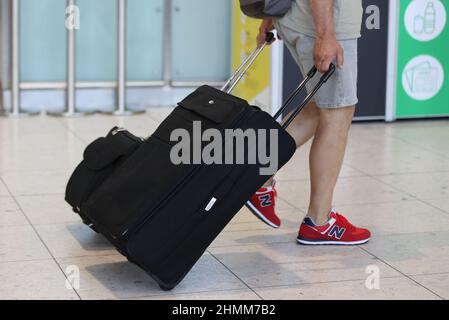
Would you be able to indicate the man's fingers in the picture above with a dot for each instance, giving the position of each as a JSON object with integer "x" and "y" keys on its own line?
{"x": 260, "y": 41}
{"x": 262, "y": 38}
{"x": 319, "y": 65}
{"x": 325, "y": 66}
{"x": 322, "y": 64}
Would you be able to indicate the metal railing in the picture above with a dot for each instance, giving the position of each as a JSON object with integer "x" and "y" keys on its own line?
{"x": 70, "y": 85}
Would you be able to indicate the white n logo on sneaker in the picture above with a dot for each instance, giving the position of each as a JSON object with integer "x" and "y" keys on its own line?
{"x": 337, "y": 232}
{"x": 265, "y": 201}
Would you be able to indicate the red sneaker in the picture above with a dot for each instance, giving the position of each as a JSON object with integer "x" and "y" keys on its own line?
{"x": 337, "y": 231}
{"x": 262, "y": 204}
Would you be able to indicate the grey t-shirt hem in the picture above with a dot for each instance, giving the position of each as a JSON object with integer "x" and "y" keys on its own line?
{"x": 347, "y": 18}
{"x": 312, "y": 33}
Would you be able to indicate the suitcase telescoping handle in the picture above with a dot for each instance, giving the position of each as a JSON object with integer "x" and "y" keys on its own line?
{"x": 309, "y": 96}
{"x": 246, "y": 64}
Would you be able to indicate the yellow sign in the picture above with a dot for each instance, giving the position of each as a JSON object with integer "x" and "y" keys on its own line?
{"x": 255, "y": 86}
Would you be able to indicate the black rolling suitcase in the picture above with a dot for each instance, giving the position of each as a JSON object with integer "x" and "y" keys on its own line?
{"x": 160, "y": 215}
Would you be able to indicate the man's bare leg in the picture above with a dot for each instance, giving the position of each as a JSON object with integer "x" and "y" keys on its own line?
{"x": 326, "y": 159}
{"x": 303, "y": 128}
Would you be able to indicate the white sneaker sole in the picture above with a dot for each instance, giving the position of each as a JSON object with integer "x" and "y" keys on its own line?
{"x": 338, "y": 243}
{"x": 254, "y": 210}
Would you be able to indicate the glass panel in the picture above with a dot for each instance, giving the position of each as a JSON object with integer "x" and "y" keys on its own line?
{"x": 145, "y": 30}
{"x": 96, "y": 41}
{"x": 201, "y": 40}
{"x": 43, "y": 55}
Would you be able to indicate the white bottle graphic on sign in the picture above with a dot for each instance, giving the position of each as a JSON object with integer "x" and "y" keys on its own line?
{"x": 425, "y": 23}
{"x": 429, "y": 18}
{"x": 425, "y": 19}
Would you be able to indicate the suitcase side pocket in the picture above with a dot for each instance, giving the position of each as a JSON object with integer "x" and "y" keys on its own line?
{"x": 100, "y": 159}
{"x": 136, "y": 189}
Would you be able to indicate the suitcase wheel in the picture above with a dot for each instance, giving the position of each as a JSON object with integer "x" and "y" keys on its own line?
{"x": 165, "y": 287}
{"x": 94, "y": 229}
{"x": 90, "y": 225}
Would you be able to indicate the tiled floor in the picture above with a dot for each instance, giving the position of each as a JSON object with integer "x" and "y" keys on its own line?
{"x": 395, "y": 181}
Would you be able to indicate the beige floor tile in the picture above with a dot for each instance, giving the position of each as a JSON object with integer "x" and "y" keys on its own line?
{"x": 26, "y": 144}
{"x": 19, "y": 131}
{"x": 290, "y": 218}
{"x": 365, "y": 190}
{"x": 207, "y": 268}
{"x": 366, "y": 140}
{"x": 74, "y": 240}
{"x": 243, "y": 294}
{"x": 17, "y": 219}
{"x": 47, "y": 209}
{"x": 34, "y": 280}
{"x": 421, "y": 185}
{"x": 267, "y": 235}
{"x": 353, "y": 190}
{"x": 30, "y": 126}
{"x": 20, "y": 243}
{"x": 298, "y": 167}
{"x": 414, "y": 253}
{"x": 282, "y": 205}
{"x": 3, "y": 190}
{"x": 10, "y": 213}
{"x": 412, "y": 126}
{"x": 54, "y": 153}
{"x": 438, "y": 283}
{"x": 111, "y": 277}
{"x": 245, "y": 226}
{"x": 296, "y": 193}
{"x": 399, "y": 158}
{"x": 442, "y": 204}
{"x": 430, "y": 135}
{"x": 409, "y": 235}
{"x": 36, "y": 182}
{"x": 397, "y": 217}
{"x": 390, "y": 289}
{"x": 290, "y": 263}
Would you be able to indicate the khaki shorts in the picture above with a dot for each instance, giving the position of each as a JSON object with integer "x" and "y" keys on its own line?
{"x": 341, "y": 89}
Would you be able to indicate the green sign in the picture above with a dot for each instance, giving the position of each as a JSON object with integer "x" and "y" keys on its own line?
{"x": 423, "y": 59}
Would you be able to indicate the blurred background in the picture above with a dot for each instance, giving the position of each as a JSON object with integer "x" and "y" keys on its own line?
{"x": 81, "y": 56}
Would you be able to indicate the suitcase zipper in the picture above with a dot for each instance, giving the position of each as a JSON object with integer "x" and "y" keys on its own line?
{"x": 125, "y": 234}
